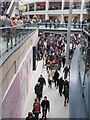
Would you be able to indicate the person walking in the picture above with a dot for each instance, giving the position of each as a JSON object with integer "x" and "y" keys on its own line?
{"x": 30, "y": 116}
{"x": 49, "y": 80}
{"x": 66, "y": 92}
{"x": 7, "y": 22}
{"x": 48, "y": 65}
{"x": 66, "y": 71}
{"x": 42, "y": 81}
{"x": 56, "y": 76}
{"x": 45, "y": 104}
{"x": 36, "y": 108}
{"x": 63, "y": 61}
{"x": 38, "y": 91}
{"x": 60, "y": 83}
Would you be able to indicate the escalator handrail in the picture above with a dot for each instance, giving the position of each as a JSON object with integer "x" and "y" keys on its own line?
{"x": 10, "y": 6}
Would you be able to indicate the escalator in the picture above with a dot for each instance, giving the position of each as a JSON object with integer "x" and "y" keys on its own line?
{"x": 13, "y": 8}
{"x": 9, "y": 7}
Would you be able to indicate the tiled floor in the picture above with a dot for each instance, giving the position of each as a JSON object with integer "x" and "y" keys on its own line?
{"x": 56, "y": 102}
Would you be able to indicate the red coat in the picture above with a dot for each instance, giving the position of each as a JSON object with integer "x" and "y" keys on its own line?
{"x": 56, "y": 61}
{"x": 48, "y": 62}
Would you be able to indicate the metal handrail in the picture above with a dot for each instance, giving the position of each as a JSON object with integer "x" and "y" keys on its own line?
{"x": 12, "y": 36}
{"x": 56, "y": 25}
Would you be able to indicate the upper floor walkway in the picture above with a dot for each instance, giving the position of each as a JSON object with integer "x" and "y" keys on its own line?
{"x": 12, "y": 36}
{"x": 57, "y": 26}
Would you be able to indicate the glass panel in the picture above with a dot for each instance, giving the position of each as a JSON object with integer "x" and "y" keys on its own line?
{"x": 41, "y": 6}
{"x": 12, "y": 36}
{"x": 55, "y": 5}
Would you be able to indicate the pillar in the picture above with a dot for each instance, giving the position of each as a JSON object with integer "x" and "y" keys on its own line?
{"x": 35, "y": 6}
{"x": 62, "y": 11}
{"x": 63, "y": 4}
{"x": 82, "y": 6}
{"x": 62, "y": 18}
{"x": 69, "y": 32}
{"x": 47, "y": 6}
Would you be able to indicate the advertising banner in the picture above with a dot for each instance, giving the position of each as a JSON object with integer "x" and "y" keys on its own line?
{"x": 14, "y": 100}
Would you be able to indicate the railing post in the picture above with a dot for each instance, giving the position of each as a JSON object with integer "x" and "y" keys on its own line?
{"x": 7, "y": 40}
{"x": 15, "y": 36}
{"x": 11, "y": 39}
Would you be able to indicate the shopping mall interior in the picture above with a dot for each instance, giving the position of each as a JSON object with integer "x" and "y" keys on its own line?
{"x": 44, "y": 59}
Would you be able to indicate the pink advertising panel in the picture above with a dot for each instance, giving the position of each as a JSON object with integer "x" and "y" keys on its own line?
{"x": 0, "y": 111}
{"x": 10, "y": 100}
{"x": 14, "y": 100}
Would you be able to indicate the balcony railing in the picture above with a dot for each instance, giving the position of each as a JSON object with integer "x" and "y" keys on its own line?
{"x": 56, "y": 25}
{"x": 87, "y": 5}
{"x": 86, "y": 49}
{"x": 12, "y": 36}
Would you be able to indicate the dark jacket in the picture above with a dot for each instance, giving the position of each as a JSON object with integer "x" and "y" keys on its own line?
{"x": 63, "y": 60}
{"x": 61, "y": 83}
{"x": 45, "y": 104}
{"x": 66, "y": 70}
{"x": 38, "y": 89}
{"x": 66, "y": 92}
{"x": 42, "y": 81}
{"x": 56, "y": 75}
{"x": 66, "y": 83}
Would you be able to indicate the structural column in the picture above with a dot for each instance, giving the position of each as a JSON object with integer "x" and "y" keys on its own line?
{"x": 47, "y": 6}
{"x": 62, "y": 18}
{"x": 28, "y": 7}
{"x": 35, "y": 7}
{"x": 82, "y": 6}
{"x": 69, "y": 32}
{"x": 62, "y": 11}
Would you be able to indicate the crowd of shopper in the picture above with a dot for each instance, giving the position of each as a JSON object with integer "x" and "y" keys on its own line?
{"x": 38, "y": 104}
{"x": 51, "y": 49}
{"x": 20, "y": 20}
{"x": 14, "y": 21}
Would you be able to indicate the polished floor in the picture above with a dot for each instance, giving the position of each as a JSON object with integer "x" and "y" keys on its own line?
{"x": 57, "y": 108}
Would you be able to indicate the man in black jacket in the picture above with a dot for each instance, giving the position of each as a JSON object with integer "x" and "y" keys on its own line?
{"x": 66, "y": 71}
{"x": 45, "y": 104}
{"x": 56, "y": 76}
{"x": 42, "y": 81}
{"x": 38, "y": 91}
{"x": 66, "y": 92}
{"x": 60, "y": 83}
